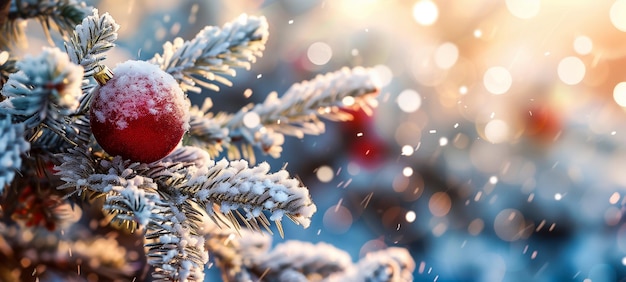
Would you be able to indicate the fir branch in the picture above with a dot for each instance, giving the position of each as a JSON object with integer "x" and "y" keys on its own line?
{"x": 12, "y": 146}
{"x": 214, "y": 53}
{"x": 89, "y": 42}
{"x": 387, "y": 265}
{"x": 83, "y": 172}
{"x": 207, "y": 130}
{"x": 296, "y": 113}
{"x": 300, "y": 261}
{"x": 223, "y": 188}
{"x": 233, "y": 253}
{"x": 61, "y": 15}
{"x": 44, "y": 94}
{"x": 133, "y": 202}
{"x": 175, "y": 246}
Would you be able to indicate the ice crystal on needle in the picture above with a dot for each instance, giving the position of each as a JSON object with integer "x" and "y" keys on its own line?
{"x": 192, "y": 202}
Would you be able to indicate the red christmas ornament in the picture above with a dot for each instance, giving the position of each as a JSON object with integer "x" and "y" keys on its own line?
{"x": 140, "y": 114}
{"x": 543, "y": 124}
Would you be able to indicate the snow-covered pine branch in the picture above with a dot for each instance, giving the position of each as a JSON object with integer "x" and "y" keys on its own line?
{"x": 62, "y": 15}
{"x": 296, "y": 113}
{"x": 90, "y": 40}
{"x": 206, "y": 129}
{"x": 43, "y": 95}
{"x": 223, "y": 189}
{"x": 87, "y": 46}
{"x": 248, "y": 258}
{"x": 175, "y": 242}
{"x": 165, "y": 197}
{"x": 299, "y": 261}
{"x": 386, "y": 265}
{"x": 214, "y": 53}
{"x": 12, "y": 146}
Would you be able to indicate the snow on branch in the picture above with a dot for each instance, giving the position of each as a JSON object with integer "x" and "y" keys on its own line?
{"x": 214, "y": 53}
{"x": 175, "y": 245}
{"x": 90, "y": 39}
{"x": 12, "y": 145}
{"x": 387, "y": 265}
{"x": 224, "y": 189}
{"x": 45, "y": 88}
{"x": 44, "y": 94}
{"x": 171, "y": 196}
{"x": 298, "y": 261}
{"x": 296, "y": 113}
{"x": 241, "y": 260}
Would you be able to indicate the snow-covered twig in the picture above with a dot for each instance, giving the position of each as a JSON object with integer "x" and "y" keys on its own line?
{"x": 90, "y": 40}
{"x": 175, "y": 243}
{"x": 12, "y": 146}
{"x": 43, "y": 94}
{"x": 387, "y": 265}
{"x": 88, "y": 45}
{"x": 296, "y": 113}
{"x": 223, "y": 189}
{"x": 303, "y": 261}
{"x": 214, "y": 53}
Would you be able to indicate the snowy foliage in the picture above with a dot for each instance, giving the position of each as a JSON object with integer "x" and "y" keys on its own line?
{"x": 91, "y": 39}
{"x": 186, "y": 205}
{"x": 12, "y": 145}
{"x": 46, "y": 88}
{"x": 296, "y": 113}
{"x": 214, "y": 53}
{"x": 249, "y": 258}
{"x": 43, "y": 95}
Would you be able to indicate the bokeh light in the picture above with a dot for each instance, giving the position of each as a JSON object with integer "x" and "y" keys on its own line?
{"x": 509, "y": 224}
{"x": 337, "y": 219}
{"x": 324, "y": 173}
{"x": 583, "y": 45}
{"x": 384, "y": 75}
{"x": 497, "y": 80}
{"x": 619, "y": 94}
{"x": 617, "y": 12}
{"x": 409, "y": 101}
{"x": 523, "y": 9}
{"x": 407, "y": 150}
{"x": 440, "y": 204}
{"x": 497, "y": 131}
{"x": 571, "y": 70}
{"x": 319, "y": 53}
{"x": 446, "y": 55}
{"x": 425, "y": 12}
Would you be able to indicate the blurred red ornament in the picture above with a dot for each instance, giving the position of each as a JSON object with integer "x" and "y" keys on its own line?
{"x": 35, "y": 208}
{"x": 542, "y": 123}
{"x": 366, "y": 147}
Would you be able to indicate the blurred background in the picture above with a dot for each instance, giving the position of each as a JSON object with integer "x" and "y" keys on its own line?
{"x": 497, "y": 150}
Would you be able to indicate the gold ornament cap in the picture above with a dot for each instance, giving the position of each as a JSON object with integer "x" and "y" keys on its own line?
{"x": 103, "y": 75}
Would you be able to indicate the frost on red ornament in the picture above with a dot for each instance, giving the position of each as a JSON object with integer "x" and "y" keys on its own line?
{"x": 140, "y": 114}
